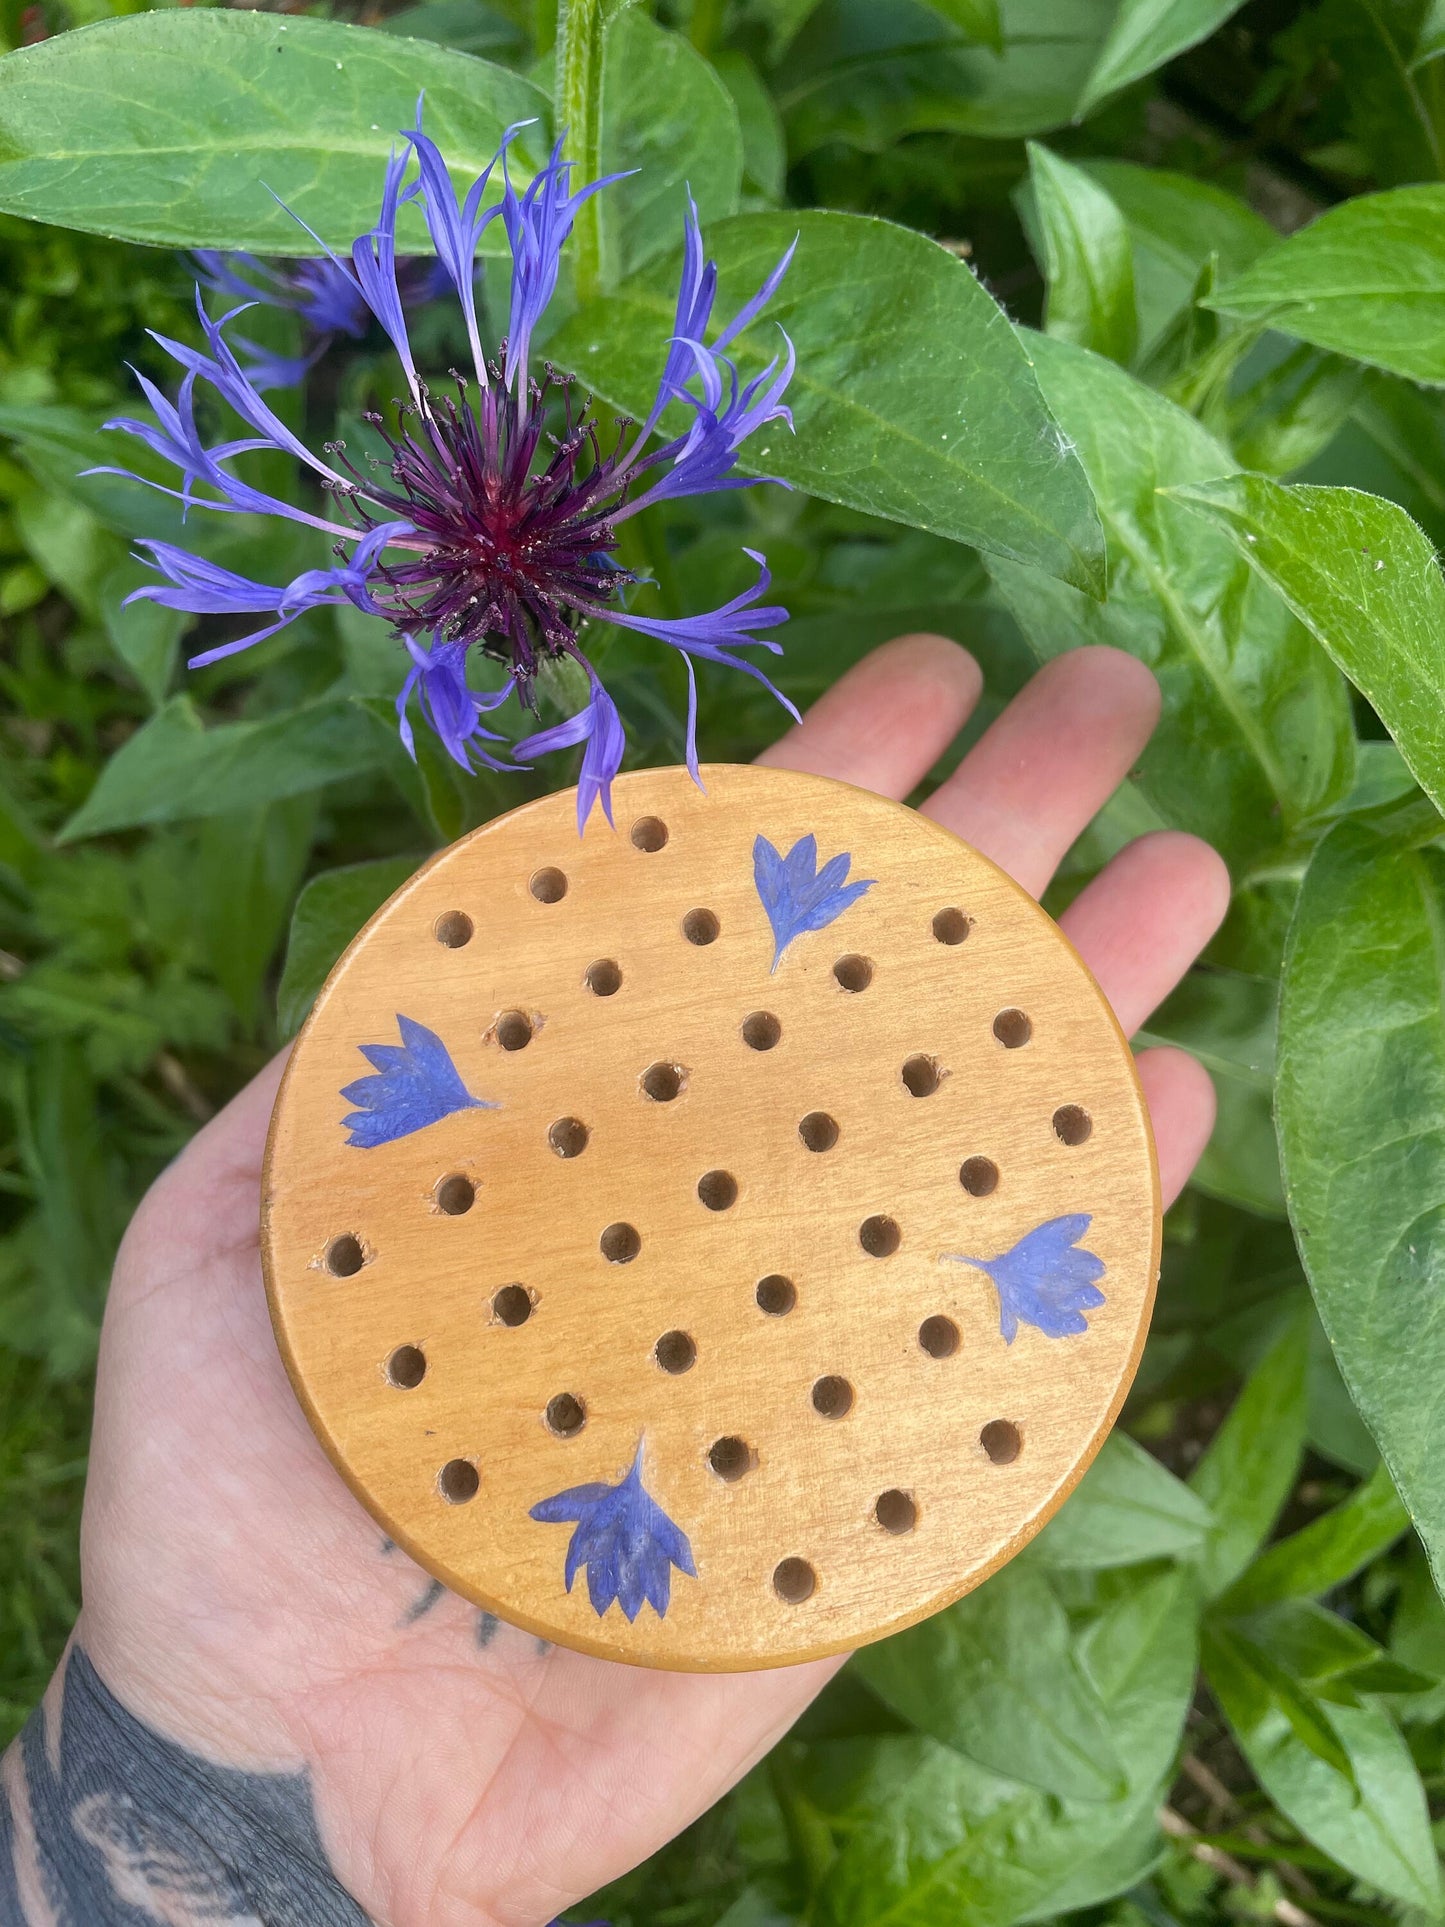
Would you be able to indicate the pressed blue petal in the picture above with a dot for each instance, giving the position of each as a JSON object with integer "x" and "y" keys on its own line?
{"x": 796, "y": 896}
{"x": 1046, "y": 1279}
{"x": 624, "y": 1539}
{"x": 409, "y": 1091}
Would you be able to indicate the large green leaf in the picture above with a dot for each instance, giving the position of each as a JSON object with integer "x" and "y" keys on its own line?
{"x": 1127, "y": 1508}
{"x": 175, "y": 768}
{"x": 1366, "y": 279}
{"x": 1144, "y": 35}
{"x": 929, "y": 1836}
{"x": 913, "y": 399}
{"x": 1365, "y": 579}
{"x": 329, "y": 912}
{"x": 1326, "y": 1552}
{"x": 180, "y": 126}
{"x": 1087, "y": 258}
{"x": 995, "y": 1677}
{"x": 1370, "y": 1815}
{"x": 1248, "y": 1472}
{"x": 1256, "y": 737}
{"x": 1361, "y": 1107}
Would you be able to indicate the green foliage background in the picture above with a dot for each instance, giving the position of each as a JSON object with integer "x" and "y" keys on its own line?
{"x": 1117, "y": 320}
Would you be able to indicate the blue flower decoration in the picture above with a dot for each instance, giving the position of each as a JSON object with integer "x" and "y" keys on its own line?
{"x": 416, "y": 1083}
{"x": 796, "y": 894}
{"x": 1045, "y": 1280}
{"x": 624, "y": 1538}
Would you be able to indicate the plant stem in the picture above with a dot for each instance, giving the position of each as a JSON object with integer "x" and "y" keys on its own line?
{"x": 578, "y": 101}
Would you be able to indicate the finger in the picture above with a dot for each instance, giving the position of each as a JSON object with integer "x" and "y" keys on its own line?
{"x": 1181, "y": 1105}
{"x": 1145, "y": 918}
{"x": 1051, "y": 761}
{"x": 888, "y": 720}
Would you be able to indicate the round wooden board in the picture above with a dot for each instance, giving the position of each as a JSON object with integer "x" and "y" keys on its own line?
{"x": 851, "y": 1441}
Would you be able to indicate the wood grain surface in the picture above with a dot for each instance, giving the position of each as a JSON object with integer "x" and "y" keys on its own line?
{"x": 824, "y": 1399}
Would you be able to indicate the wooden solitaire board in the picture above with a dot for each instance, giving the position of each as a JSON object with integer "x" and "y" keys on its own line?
{"x": 710, "y": 1311}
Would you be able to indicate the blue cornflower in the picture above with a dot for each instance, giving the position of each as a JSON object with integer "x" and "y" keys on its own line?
{"x": 796, "y": 894}
{"x": 624, "y": 1539}
{"x": 490, "y": 523}
{"x": 321, "y": 293}
{"x": 416, "y": 1083}
{"x": 1044, "y": 1280}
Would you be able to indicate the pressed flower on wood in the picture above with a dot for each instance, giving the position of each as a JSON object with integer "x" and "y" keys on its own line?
{"x": 485, "y": 520}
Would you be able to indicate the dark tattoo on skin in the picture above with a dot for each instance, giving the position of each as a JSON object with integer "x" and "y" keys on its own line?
{"x": 103, "y": 1823}
{"x": 434, "y": 1592}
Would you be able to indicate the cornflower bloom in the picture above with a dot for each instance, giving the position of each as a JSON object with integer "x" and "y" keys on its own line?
{"x": 478, "y": 529}
{"x": 323, "y": 295}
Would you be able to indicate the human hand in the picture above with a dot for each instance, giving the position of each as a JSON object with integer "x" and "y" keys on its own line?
{"x": 238, "y": 1600}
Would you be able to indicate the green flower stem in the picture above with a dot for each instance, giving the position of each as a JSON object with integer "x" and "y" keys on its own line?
{"x": 581, "y": 28}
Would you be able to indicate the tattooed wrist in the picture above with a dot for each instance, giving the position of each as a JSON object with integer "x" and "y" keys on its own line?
{"x": 105, "y": 1823}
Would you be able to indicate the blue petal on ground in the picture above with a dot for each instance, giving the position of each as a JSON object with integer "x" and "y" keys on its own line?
{"x": 1045, "y": 1280}
{"x": 415, "y": 1083}
{"x": 796, "y": 894}
{"x": 624, "y": 1539}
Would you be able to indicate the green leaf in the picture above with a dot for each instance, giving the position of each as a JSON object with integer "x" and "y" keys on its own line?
{"x": 1145, "y": 34}
{"x": 765, "y": 147}
{"x": 178, "y": 127}
{"x": 1250, "y": 1467}
{"x": 1365, "y": 580}
{"x": 1127, "y": 1508}
{"x": 1360, "y": 1100}
{"x": 1367, "y": 279}
{"x": 667, "y": 114}
{"x": 979, "y": 19}
{"x": 250, "y": 867}
{"x": 1246, "y": 692}
{"x": 912, "y": 400}
{"x": 931, "y": 1837}
{"x": 175, "y": 768}
{"x": 1326, "y": 1552}
{"x": 1088, "y": 261}
{"x": 1373, "y": 1818}
{"x": 329, "y": 913}
{"x": 994, "y": 1677}
{"x": 144, "y": 635}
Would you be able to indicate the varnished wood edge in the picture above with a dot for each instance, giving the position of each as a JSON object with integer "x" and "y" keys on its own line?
{"x": 636, "y": 1653}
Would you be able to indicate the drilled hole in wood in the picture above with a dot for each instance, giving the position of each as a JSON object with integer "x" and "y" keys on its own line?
{"x": 1000, "y": 1439}
{"x": 880, "y": 1236}
{"x": 663, "y": 1082}
{"x": 1012, "y": 1029}
{"x": 730, "y": 1458}
{"x": 921, "y": 1075}
{"x": 566, "y": 1415}
{"x": 701, "y": 927}
{"x": 978, "y": 1176}
{"x": 776, "y": 1295}
{"x": 649, "y": 833}
{"x": 406, "y": 1368}
{"x": 620, "y": 1244}
{"x": 568, "y": 1137}
{"x": 455, "y": 1195}
{"x": 548, "y": 886}
{"x": 1072, "y": 1123}
{"x": 853, "y": 973}
{"x": 951, "y": 926}
{"x": 453, "y": 928}
{"x": 675, "y": 1352}
{"x": 819, "y": 1131}
{"x": 832, "y": 1397}
{"x": 794, "y": 1580}
{"x": 938, "y": 1336}
{"x": 604, "y": 978}
{"x": 458, "y": 1481}
{"x": 344, "y": 1256}
{"x": 513, "y": 1305}
{"x": 718, "y": 1190}
{"x": 761, "y": 1030}
{"x": 895, "y": 1512}
{"x": 514, "y": 1030}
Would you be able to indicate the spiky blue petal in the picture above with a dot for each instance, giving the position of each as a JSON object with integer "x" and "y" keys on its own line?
{"x": 600, "y": 727}
{"x": 538, "y": 222}
{"x": 416, "y": 1083}
{"x": 438, "y": 678}
{"x": 1044, "y": 1280}
{"x": 624, "y": 1539}
{"x": 796, "y": 894}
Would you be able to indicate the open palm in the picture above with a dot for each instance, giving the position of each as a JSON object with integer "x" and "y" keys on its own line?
{"x": 238, "y": 1598}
